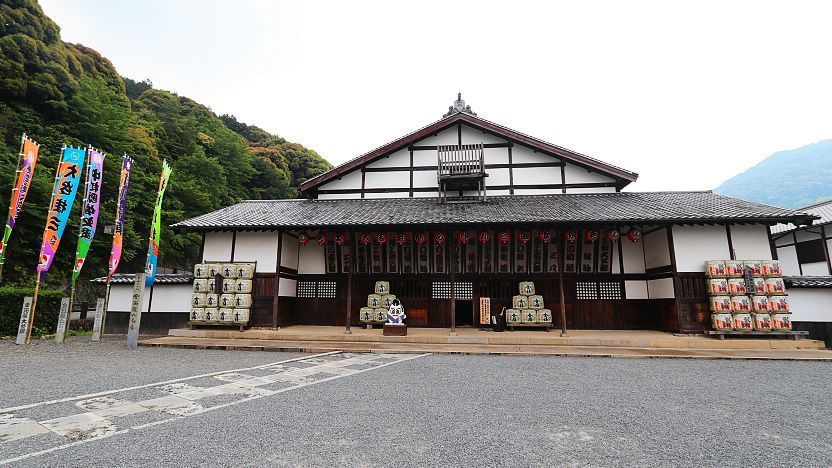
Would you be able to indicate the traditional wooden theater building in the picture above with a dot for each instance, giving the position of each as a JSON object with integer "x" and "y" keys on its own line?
{"x": 465, "y": 208}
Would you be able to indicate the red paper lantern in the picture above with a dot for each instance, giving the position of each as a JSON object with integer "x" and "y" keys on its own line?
{"x": 401, "y": 238}
{"x": 504, "y": 237}
{"x": 364, "y": 238}
{"x": 634, "y": 234}
{"x": 524, "y": 236}
{"x": 544, "y": 236}
{"x": 341, "y": 238}
{"x": 592, "y": 235}
{"x": 420, "y": 238}
{"x": 304, "y": 238}
{"x": 613, "y": 235}
{"x": 381, "y": 238}
{"x": 571, "y": 235}
{"x": 439, "y": 237}
{"x": 484, "y": 237}
{"x": 322, "y": 238}
{"x": 463, "y": 237}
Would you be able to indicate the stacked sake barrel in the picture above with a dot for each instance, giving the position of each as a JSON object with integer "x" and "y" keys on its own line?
{"x": 735, "y": 307}
{"x": 527, "y": 308}
{"x": 231, "y": 302}
{"x": 378, "y": 304}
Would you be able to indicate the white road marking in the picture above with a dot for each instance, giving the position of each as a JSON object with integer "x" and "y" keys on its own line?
{"x": 89, "y": 427}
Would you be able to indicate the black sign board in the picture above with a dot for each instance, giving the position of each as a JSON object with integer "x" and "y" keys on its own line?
{"x": 748, "y": 276}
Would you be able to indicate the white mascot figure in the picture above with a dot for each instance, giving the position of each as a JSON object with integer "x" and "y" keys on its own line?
{"x": 395, "y": 314}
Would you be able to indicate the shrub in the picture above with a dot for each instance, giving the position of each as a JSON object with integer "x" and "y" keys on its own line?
{"x": 46, "y": 315}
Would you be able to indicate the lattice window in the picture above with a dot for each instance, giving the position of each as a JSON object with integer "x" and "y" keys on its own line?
{"x": 441, "y": 290}
{"x": 306, "y": 288}
{"x": 465, "y": 291}
{"x": 610, "y": 290}
{"x": 587, "y": 290}
{"x": 326, "y": 289}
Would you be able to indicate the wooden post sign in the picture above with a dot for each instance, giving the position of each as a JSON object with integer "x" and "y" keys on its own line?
{"x": 135, "y": 312}
{"x": 99, "y": 317}
{"x": 485, "y": 310}
{"x": 63, "y": 320}
{"x": 24, "y": 320}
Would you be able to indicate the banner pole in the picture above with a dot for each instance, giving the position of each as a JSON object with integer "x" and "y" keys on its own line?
{"x": 32, "y": 310}
{"x": 106, "y": 305}
{"x": 11, "y": 200}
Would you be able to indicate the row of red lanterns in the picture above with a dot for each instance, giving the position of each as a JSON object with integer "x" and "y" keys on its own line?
{"x": 463, "y": 237}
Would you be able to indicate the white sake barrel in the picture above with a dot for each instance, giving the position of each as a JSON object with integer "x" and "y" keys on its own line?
{"x": 759, "y": 303}
{"x": 197, "y": 314}
{"x": 242, "y": 301}
{"x": 374, "y": 301}
{"x": 544, "y": 316}
{"x": 200, "y": 271}
{"x": 226, "y": 314}
{"x": 227, "y": 270}
{"x": 513, "y": 315}
{"x": 387, "y": 300}
{"x": 227, "y": 286}
{"x": 382, "y": 287}
{"x": 211, "y": 314}
{"x": 240, "y": 316}
{"x": 715, "y": 268}
{"x": 733, "y": 268}
{"x": 756, "y": 266}
{"x": 722, "y": 322}
{"x": 718, "y": 286}
{"x": 245, "y": 270}
{"x": 778, "y": 303}
{"x": 242, "y": 286}
{"x": 198, "y": 300}
{"x": 772, "y": 268}
{"x": 212, "y": 269}
{"x": 762, "y": 322}
{"x": 740, "y": 303}
{"x": 226, "y": 300}
{"x": 775, "y": 285}
{"x": 736, "y": 286}
{"x": 520, "y": 302}
{"x": 743, "y": 322}
{"x": 366, "y": 314}
{"x": 528, "y": 316}
{"x": 212, "y": 300}
{"x": 536, "y": 302}
{"x": 381, "y": 315}
{"x": 781, "y": 322}
{"x": 759, "y": 285}
{"x": 721, "y": 303}
{"x": 200, "y": 285}
{"x": 527, "y": 288}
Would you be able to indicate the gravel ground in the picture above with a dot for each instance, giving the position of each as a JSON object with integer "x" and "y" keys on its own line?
{"x": 449, "y": 410}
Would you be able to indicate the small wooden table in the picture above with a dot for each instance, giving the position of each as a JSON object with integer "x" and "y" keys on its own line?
{"x": 794, "y": 334}
{"x": 395, "y": 330}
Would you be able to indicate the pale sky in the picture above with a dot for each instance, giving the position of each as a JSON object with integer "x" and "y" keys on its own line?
{"x": 685, "y": 93}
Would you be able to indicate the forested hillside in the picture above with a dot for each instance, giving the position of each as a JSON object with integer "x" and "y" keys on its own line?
{"x": 68, "y": 94}
{"x": 790, "y": 179}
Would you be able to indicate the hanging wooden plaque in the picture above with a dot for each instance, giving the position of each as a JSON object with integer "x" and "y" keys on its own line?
{"x": 376, "y": 258}
{"x": 504, "y": 257}
{"x": 331, "y": 251}
{"x": 604, "y": 254}
{"x": 487, "y": 256}
{"x": 470, "y": 252}
{"x": 392, "y": 257}
{"x": 587, "y": 255}
{"x": 422, "y": 258}
{"x": 360, "y": 257}
{"x": 552, "y": 260}
{"x": 346, "y": 258}
{"x": 439, "y": 257}
{"x": 570, "y": 257}
{"x": 457, "y": 256}
{"x": 407, "y": 257}
{"x": 521, "y": 258}
{"x": 536, "y": 254}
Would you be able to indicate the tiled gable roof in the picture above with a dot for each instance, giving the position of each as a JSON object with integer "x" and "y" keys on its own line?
{"x": 822, "y": 210}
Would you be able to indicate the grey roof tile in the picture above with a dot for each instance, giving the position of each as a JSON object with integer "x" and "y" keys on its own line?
{"x": 822, "y": 210}
{"x": 161, "y": 278}
{"x": 808, "y": 281}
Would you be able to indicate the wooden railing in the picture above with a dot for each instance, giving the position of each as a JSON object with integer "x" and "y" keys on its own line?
{"x": 460, "y": 160}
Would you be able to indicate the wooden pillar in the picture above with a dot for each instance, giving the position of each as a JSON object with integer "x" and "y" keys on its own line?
{"x": 276, "y": 300}
{"x": 799, "y": 265}
{"x": 825, "y": 248}
{"x": 672, "y": 254}
{"x": 453, "y": 287}
{"x": 349, "y": 300}
{"x": 731, "y": 253}
{"x": 561, "y": 265}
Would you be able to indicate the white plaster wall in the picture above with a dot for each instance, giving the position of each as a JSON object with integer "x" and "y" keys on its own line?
{"x": 636, "y": 289}
{"x": 425, "y": 158}
{"x": 633, "y": 255}
{"x": 403, "y": 194}
{"x": 537, "y": 175}
{"x": 815, "y": 269}
{"x": 787, "y": 239}
{"x": 289, "y": 252}
{"x": 811, "y": 305}
{"x": 495, "y": 155}
{"x": 694, "y": 245}
{"x": 788, "y": 260}
{"x": 425, "y": 194}
{"x": 287, "y": 287}
{"x": 656, "y": 249}
{"x": 521, "y": 154}
{"x": 170, "y": 298}
{"x": 591, "y": 190}
{"x": 494, "y": 193}
{"x": 260, "y": 247}
{"x": 803, "y": 236}
{"x": 751, "y": 241}
{"x": 311, "y": 259}
{"x": 660, "y": 288}
{"x": 472, "y": 135}
{"x": 350, "y": 180}
{"x": 519, "y": 191}
{"x": 120, "y": 298}
{"x": 393, "y": 179}
{"x": 448, "y": 136}
{"x": 424, "y": 179}
{"x": 616, "y": 267}
{"x": 217, "y": 246}
{"x": 400, "y": 158}
{"x": 576, "y": 175}
{"x": 498, "y": 177}
{"x": 338, "y": 196}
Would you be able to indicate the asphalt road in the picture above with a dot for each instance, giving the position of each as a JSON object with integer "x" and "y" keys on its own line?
{"x": 409, "y": 410}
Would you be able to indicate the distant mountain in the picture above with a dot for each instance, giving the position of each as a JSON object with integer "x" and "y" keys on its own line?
{"x": 790, "y": 179}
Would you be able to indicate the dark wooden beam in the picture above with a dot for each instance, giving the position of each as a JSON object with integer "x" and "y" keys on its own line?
{"x": 799, "y": 265}
{"x": 233, "y": 244}
{"x": 731, "y": 252}
{"x": 510, "y": 172}
{"x": 825, "y": 248}
{"x": 276, "y": 301}
{"x": 411, "y": 173}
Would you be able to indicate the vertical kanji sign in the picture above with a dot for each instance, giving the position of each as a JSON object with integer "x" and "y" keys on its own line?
{"x": 26, "y": 171}
{"x": 155, "y": 229}
{"x": 121, "y": 209}
{"x": 89, "y": 212}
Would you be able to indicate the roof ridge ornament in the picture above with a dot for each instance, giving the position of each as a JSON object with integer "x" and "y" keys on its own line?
{"x": 459, "y": 107}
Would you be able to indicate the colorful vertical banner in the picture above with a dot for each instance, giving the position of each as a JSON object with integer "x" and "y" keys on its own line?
{"x": 89, "y": 213}
{"x": 29, "y": 159}
{"x": 63, "y": 197}
{"x": 121, "y": 209}
{"x": 156, "y": 227}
